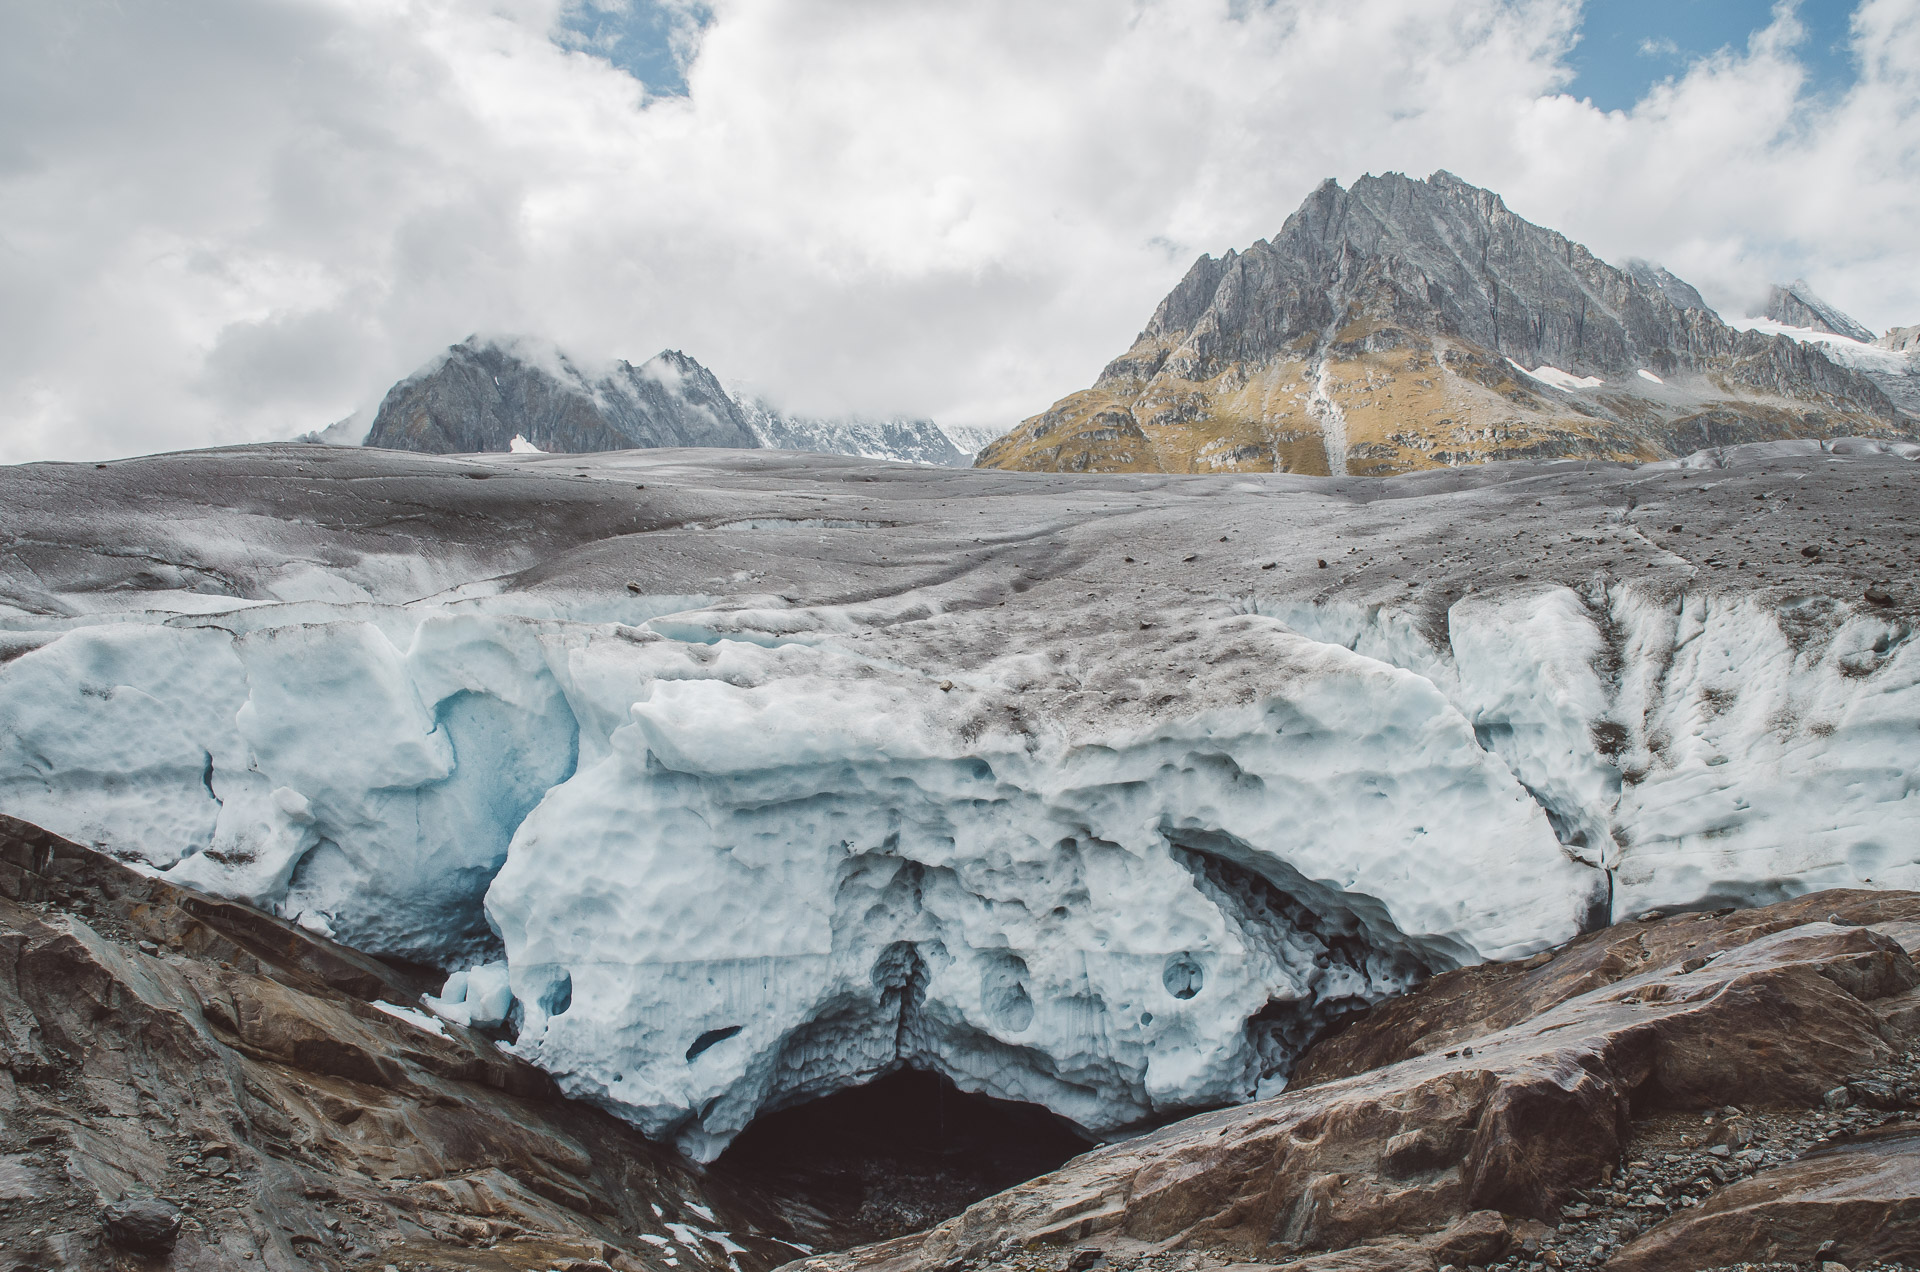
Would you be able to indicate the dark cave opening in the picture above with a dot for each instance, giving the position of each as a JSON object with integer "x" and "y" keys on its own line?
{"x": 896, "y": 1155}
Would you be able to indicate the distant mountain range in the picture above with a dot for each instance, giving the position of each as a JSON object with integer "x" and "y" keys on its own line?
{"x": 1405, "y": 324}
{"x": 483, "y": 393}
{"x": 1394, "y": 326}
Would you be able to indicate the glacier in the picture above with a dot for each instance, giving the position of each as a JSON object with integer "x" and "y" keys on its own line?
{"x": 720, "y": 781}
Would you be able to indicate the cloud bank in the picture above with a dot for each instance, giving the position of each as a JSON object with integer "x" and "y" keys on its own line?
{"x": 233, "y": 220}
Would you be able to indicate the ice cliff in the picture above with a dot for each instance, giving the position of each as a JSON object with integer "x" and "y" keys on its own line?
{"x": 726, "y": 781}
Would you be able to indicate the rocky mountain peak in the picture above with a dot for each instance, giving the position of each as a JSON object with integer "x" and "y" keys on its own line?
{"x": 485, "y": 391}
{"x": 1796, "y": 305}
{"x": 1658, "y": 278}
{"x": 1403, "y": 324}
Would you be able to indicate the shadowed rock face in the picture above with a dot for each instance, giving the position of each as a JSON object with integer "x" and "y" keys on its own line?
{"x": 1483, "y": 1102}
{"x": 1409, "y": 324}
{"x": 1797, "y": 306}
{"x": 169, "y": 1054}
{"x": 483, "y": 394}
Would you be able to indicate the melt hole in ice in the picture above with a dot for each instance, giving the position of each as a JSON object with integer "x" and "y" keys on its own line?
{"x": 898, "y": 1154}
{"x": 557, "y": 994}
{"x": 1183, "y": 977}
{"x": 709, "y": 1038}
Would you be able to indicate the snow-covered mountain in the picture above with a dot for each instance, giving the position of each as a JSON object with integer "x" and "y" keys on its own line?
{"x": 482, "y": 393}
{"x": 1796, "y": 305}
{"x": 911, "y": 441}
{"x": 724, "y": 780}
{"x": 1892, "y": 362}
{"x": 1402, "y": 324}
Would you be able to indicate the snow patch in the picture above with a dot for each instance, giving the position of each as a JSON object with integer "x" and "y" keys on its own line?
{"x": 480, "y": 997}
{"x": 418, "y": 1019}
{"x": 1845, "y": 350}
{"x": 1566, "y": 381}
{"x": 1645, "y": 374}
{"x": 521, "y": 446}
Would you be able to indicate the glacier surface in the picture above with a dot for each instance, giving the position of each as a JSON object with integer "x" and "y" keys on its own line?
{"x": 725, "y": 781}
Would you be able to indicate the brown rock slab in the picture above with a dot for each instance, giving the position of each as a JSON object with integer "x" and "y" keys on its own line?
{"x": 1404, "y": 1134}
{"x": 170, "y": 1053}
{"x": 1457, "y": 1007}
{"x": 1863, "y": 1195}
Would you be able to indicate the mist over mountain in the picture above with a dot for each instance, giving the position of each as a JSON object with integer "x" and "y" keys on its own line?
{"x": 1796, "y": 305}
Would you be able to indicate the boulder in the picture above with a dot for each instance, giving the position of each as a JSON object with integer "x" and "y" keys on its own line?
{"x": 144, "y": 1225}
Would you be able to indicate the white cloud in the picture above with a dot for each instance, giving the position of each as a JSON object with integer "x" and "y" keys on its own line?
{"x": 227, "y": 220}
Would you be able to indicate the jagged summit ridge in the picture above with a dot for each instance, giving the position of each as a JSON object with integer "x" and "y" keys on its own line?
{"x": 1657, "y": 277}
{"x": 1796, "y": 305}
{"x": 1405, "y": 324}
{"x": 480, "y": 394}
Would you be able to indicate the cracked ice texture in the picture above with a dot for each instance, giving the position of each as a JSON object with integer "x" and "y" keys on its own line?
{"x": 760, "y": 842}
{"x": 845, "y": 863}
{"x": 840, "y": 789}
{"x": 1707, "y": 750}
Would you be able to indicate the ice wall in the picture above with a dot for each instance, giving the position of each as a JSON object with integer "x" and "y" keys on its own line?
{"x": 1706, "y": 749}
{"x": 708, "y": 868}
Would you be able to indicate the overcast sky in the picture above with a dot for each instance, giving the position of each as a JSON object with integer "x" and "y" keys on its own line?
{"x": 235, "y": 220}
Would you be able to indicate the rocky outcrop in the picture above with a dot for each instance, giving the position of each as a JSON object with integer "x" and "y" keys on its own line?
{"x": 482, "y": 393}
{"x": 1500, "y": 1102}
{"x": 1408, "y": 324}
{"x": 1854, "y": 1201}
{"x": 1796, "y": 305}
{"x": 1900, "y": 340}
{"x": 187, "y": 1075}
{"x": 1658, "y": 278}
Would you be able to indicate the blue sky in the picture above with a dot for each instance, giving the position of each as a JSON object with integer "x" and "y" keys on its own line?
{"x": 270, "y": 213}
{"x": 648, "y": 39}
{"x": 1627, "y": 46}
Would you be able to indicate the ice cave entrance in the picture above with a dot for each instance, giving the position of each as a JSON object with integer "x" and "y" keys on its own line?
{"x": 898, "y": 1154}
